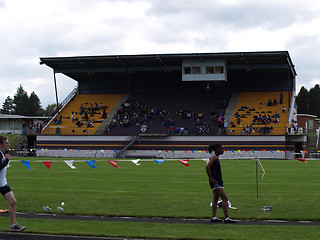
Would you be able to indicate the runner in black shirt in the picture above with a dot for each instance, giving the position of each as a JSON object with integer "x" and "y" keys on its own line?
{"x": 215, "y": 180}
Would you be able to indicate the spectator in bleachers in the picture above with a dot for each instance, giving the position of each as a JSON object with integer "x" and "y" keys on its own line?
{"x": 225, "y": 126}
{"x": 281, "y": 98}
{"x": 284, "y": 109}
{"x": 270, "y": 103}
{"x": 275, "y": 102}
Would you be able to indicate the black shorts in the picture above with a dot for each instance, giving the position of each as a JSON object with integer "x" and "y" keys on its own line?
{"x": 215, "y": 186}
{"x": 5, "y": 189}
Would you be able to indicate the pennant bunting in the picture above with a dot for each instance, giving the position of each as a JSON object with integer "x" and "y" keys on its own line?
{"x": 301, "y": 160}
{"x": 159, "y": 161}
{"x": 192, "y": 151}
{"x": 186, "y": 151}
{"x": 27, "y": 164}
{"x": 271, "y": 151}
{"x": 114, "y": 163}
{"x": 206, "y": 160}
{"x": 136, "y": 162}
{"x": 167, "y": 151}
{"x": 232, "y": 151}
{"x": 306, "y": 152}
{"x": 70, "y": 164}
{"x": 47, "y": 163}
{"x": 91, "y": 163}
{"x": 239, "y": 151}
{"x": 185, "y": 162}
{"x": 278, "y": 151}
{"x": 226, "y": 151}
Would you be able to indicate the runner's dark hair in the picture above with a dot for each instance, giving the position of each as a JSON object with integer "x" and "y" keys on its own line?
{"x": 214, "y": 147}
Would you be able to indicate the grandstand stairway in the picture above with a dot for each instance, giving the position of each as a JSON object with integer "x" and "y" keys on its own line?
{"x": 109, "y": 118}
{"x": 129, "y": 141}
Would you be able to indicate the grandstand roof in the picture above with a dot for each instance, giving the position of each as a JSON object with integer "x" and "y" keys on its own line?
{"x": 80, "y": 66}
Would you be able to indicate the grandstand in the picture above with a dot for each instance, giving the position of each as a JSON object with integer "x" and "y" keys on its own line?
{"x": 175, "y": 102}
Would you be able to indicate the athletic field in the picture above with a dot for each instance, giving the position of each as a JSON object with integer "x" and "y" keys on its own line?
{"x": 171, "y": 190}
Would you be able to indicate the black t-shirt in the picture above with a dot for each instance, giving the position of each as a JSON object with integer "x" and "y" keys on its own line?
{"x": 216, "y": 170}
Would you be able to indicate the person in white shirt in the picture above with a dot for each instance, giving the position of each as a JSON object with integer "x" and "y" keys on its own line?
{"x": 4, "y": 187}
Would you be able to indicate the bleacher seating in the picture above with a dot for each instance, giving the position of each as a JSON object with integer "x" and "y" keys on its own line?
{"x": 251, "y": 105}
{"x": 173, "y": 103}
{"x": 69, "y": 127}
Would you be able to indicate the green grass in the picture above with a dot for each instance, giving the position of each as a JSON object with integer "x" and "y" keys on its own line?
{"x": 168, "y": 190}
{"x": 166, "y": 231}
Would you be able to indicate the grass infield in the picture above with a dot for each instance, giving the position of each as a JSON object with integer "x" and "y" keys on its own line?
{"x": 167, "y": 190}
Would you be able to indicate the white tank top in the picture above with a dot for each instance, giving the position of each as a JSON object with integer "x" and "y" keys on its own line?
{"x": 3, "y": 172}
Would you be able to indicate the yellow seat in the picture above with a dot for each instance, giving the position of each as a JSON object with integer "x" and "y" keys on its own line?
{"x": 258, "y": 101}
{"x": 70, "y": 128}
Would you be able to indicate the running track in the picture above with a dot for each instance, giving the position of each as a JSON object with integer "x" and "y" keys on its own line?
{"x": 24, "y": 236}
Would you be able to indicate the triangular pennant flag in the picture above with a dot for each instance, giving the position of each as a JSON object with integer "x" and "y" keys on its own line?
{"x": 186, "y": 151}
{"x": 271, "y": 151}
{"x": 264, "y": 150}
{"x": 207, "y": 151}
{"x": 278, "y": 150}
{"x": 192, "y": 151}
{"x": 27, "y": 164}
{"x": 205, "y": 160}
{"x": 167, "y": 151}
{"x": 239, "y": 151}
{"x": 91, "y": 163}
{"x": 159, "y": 151}
{"x": 136, "y": 162}
{"x": 226, "y": 151}
{"x": 185, "y": 162}
{"x": 246, "y": 150}
{"x": 301, "y": 160}
{"x": 232, "y": 151}
{"x": 159, "y": 161}
{"x": 70, "y": 164}
{"x": 306, "y": 152}
{"x": 113, "y": 163}
{"x": 199, "y": 151}
{"x": 47, "y": 163}
{"x": 285, "y": 151}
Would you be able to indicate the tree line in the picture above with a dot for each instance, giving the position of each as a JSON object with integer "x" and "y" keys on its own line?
{"x": 308, "y": 102}
{"x": 24, "y": 104}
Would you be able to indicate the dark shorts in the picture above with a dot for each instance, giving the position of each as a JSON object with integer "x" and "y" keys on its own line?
{"x": 5, "y": 189}
{"x": 215, "y": 186}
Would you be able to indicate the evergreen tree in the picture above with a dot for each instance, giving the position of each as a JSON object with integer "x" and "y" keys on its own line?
{"x": 7, "y": 106}
{"x": 35, "y": 105}
{"x": 314, "y": 100}
{"x": 50, "y": 108}
{"x": 21, "y": 102}
{"x": 302, "y": 100}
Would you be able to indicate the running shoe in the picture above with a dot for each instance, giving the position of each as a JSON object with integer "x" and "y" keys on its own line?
{"x": 229, "y": 220}
{"x": 16, "y": 228}
{"x": 216, "y": 220}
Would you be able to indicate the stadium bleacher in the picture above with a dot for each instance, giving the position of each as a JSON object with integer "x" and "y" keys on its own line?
{"x": 252, "y": 111}
{"x": 175, "y": 106}
{"x": 69, "y": 126}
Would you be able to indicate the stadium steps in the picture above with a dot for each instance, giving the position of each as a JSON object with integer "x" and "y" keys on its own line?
{"x": 113, "y": 111}
{"x": 67, "y": 127}
{"x": 128, "y": 142}
{"x": 258, "y": 101}
{"x": 232, "y": 106}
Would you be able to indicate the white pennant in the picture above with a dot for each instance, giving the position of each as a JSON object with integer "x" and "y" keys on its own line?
{"x": 205, "y": 160}
{"x": 70, "y": 164}
{"x": 136, "y": 162}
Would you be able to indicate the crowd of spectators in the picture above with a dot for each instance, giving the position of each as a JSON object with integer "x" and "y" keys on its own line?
{"x": 133, "y": 113}
{"x": 33, "y": 128}
{"x": 261, "y": 121}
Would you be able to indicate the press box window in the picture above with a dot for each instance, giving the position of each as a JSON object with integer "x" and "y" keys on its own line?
{"x": 196, "y": 70}
{"x": 219, "y": 69}
{"x": 187, "y": 70}
{"x": 209, "y": 70}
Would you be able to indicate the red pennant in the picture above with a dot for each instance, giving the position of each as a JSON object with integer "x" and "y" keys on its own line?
{"x": 47, "y": 163}
{"x": 285, "y": 151}
{"x": 166, "y": 151}
{"x": 264, "y": 150}
{"x": 90, "y": 150}
{"x": 306, "y": 152}
{"x": 207, "y": 151}
{"x": 186, "y": 151}
{"x": 301, "y": 160}
{"x": 185, "y": 162}
{"x": 113, "y": 163}
{"x": 246, "y": 150}
{"x": 226, "y": 151}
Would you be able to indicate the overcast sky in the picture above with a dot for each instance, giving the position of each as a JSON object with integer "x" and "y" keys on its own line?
{"x": 42, "y": 28}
